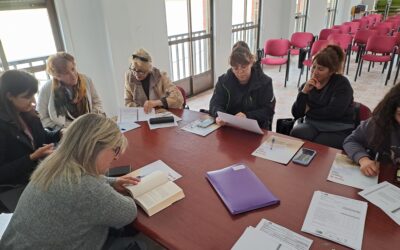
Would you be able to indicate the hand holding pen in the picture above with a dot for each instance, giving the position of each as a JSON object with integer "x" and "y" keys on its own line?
{"x": 369, "y": 167}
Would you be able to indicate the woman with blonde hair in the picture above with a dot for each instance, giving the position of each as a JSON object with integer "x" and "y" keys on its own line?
{"x": 69, "y": 203}
{"x": 148, "y": 87}
{"x": 68, "y": 95}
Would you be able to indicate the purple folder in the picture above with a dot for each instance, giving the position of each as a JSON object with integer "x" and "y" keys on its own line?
{"x": 240, "y": 189}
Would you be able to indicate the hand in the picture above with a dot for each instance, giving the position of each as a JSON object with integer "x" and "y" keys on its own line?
{"x": 307, "y": 108}
{"x": 310, "y": 84}
{"x": 240, "y": 114}
{"x": 150, "y": 104}
{"x": 369, "y": 167}
{"x": 219, "y": 122}
{"x": 42, "y": 152}
{"x": 121, "y": 181}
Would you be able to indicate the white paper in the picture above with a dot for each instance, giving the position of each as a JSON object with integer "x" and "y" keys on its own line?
{"x": 345, "y": 171}
{"x": 4, "y": 221}
{"x": 256, "y": 240}
{"x": 127, "y": 126}
{"x": 336, "y": 218}
{"x": 193, "y": 128}
{"x": 284, "y": 235}
{"x": 240, "y": 122}
{"x": 157, "y": 166}
{"x": 134, "y": 114}
{"x": 278, "y": 149}
{"x": 386, "y": 196}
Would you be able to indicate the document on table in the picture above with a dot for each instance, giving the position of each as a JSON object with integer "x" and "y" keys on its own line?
{"x": 193, "y": 128}
{"x": 134, "y": 114}
{"x": 127, "y": 126}
{"x": 345, "y": 171}
{"x": 386, "y": 196}
{"x": 336, "y": 218}
{"x": 240, "y": 122}
{"x": 164, "y": 125}
{"x": 156, "y": 166}
{"x": 278, "y": 149}
{"x": 256, "y": 240}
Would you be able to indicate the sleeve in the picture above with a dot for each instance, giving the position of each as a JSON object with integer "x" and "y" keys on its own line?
{"x": 52, "y": 136}
{"x": 16, "y": 168}
{"x": 128, "y": 95}
{"x": 337, "y": 106}
{"x": 356, "y": 144}
{"x": 265, "y": 101}
{"x": 219, "y": 100}
{"x": 299, "y": 106}
{"x": 43, "y": 106}
{"x": 97, "y": 106}
{"x": 173, "y": 95}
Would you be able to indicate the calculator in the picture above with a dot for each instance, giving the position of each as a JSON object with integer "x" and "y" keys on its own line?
{"x": 304, "y": 156}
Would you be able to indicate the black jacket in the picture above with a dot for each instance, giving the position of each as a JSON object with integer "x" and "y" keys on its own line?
{"x": 332, "y": 103}
{"x": 15, "y": 148}
{"x": 255, "y": 99}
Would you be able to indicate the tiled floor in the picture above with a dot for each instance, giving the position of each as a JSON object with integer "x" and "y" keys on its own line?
{"x": 369, "y": 88}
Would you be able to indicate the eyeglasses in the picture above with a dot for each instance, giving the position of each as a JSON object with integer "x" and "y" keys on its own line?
{"x": 241, "y": 67}
{"x": 141, "y": 58}
{"x": 137, "y": 72}
{"x": 117, "y": 151}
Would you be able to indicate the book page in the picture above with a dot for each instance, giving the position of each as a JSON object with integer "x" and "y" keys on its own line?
{"x": 147, "y": 183}
{"x": 154, "y": 166}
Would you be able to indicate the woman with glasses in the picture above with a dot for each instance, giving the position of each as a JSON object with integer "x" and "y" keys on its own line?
{"x": 23, "y": 140}
{"x": 148, "y": 87}
{"x": 378, "y": 138}
{"x": 244, "y": 90}
{"x": 68, "y": 95}
{"x": 69, "y": 203}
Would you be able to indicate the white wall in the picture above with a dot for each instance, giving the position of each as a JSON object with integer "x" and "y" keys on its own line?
{"x": 317, "y": 15}
{"x": 343, "y": 10}
{"x": 274, "y": 20}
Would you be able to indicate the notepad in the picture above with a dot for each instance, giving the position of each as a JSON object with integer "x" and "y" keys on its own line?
{"x": 240, "y": 189}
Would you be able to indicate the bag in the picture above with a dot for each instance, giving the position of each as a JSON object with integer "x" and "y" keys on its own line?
{"x": 285, "y": 125}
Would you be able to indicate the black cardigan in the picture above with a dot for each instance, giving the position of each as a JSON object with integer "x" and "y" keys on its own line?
{"x": 331, "y": 103}
{"x": 15, "y": 148}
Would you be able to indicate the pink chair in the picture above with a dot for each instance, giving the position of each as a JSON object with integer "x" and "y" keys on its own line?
{"x": 324, "y": 33}
{"x": 344, "y": 41}
{"x": 278, "y": 51}
{"x": 381, "y": 29}
{"x": 354, "y": 27}
{"x": 360, "y": 41}
{"x": 382, "y": 49}
{"x": 315, "y": 48}
{"x": 300, "y": 40}
{"x": 363, "y": 23}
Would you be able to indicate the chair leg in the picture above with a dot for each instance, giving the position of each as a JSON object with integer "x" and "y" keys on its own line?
{"x": 358, "y": 68}
{"x": 369, "y": 66}
{"x": 389, "y": 70}
{"x": 348, "y": 64}
{"x": 384, "y": 67}
{"x": 301, "y": 73}
{"x": 280, "y": 66}
{"x": 308, "y": 69}
{"x": 362, "y": 62}
{"x": 397, "y": 74}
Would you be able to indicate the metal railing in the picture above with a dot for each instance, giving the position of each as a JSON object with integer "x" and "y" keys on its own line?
{"x": 180, "y": 56}
{"x": 245, "y": 32}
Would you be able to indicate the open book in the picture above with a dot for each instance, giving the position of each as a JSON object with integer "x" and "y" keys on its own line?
{"x": 155, "y": 192}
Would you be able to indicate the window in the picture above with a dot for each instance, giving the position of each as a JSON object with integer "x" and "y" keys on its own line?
{"x": 301, "y": 15}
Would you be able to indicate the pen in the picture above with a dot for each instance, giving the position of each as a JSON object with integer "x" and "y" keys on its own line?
{"x": 376, "y": 157}
{"x": 272, "y": 142}
{"x": 279, "y": 246}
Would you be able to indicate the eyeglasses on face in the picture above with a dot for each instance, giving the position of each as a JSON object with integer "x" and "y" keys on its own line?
{"x": 137, "y": 72}
{"x": 141, "y": 58}
{"x": 239, "y": 67}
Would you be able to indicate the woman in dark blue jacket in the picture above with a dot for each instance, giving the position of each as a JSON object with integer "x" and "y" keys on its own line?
{"x": 23, "y": 140}
{"x": 244, "y": 90}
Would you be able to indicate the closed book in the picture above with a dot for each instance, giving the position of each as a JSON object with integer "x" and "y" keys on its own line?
{"x": 240, "y": 189}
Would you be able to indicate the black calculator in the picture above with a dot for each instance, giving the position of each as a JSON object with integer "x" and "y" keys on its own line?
{"x": 304, "y": 156}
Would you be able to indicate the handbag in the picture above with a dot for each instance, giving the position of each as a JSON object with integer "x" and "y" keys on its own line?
{"x": 285, "y": 125}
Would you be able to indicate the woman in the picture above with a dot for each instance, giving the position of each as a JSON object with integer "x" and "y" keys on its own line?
{"x": 68, "y": 95}
{"x": 378, "y": 138}
{"x": 23, "y": 140}
{"x": 244, "y": 90}
{"x": 148, "y": 87}
{"x": 326, "y": 101}
{"x": 69, "y": 204}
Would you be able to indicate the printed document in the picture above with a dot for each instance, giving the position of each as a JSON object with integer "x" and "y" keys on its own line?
{"x": 240, "y": 122}
{"x": 127, "y": 126}
{"x": 345, "y": 171}
{"x": 278, "y": 149}
{"x": 156, "y": 166}
{"x": 195, "y": 129}
{"x": 256, "y": 240}
{"x": 386, "y": 196}
{"x": 336, "y": 218}
{"x": 134, "y": 114}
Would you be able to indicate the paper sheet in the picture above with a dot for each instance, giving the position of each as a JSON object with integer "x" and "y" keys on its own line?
{"x": 127, "y": 126}
{"x": 336, "y": 218}
{"x": 134, "y": 114}
{"x": 256, "y": 240}
{"x": 345, "y": 171}
{"x": 193, "y": 128}
{"x": 240, "y": 122}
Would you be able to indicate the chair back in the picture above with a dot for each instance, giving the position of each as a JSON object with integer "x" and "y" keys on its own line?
{"x": 381, "y": 29}
{"x": 277, "y": 47}
{"x": 361, "y": 36}
{"x": 317, "y": 46}
{"x": 354, "y": 26}
{"x": 381, "y": 44}
{"x": 183, "y": 92}
{"x": 345, "y": 29}
{"x": 361, "y": 113}
{"x": 324, "y": 33}
{"x": 301, "y": 39}
{"x": 343, "y": 40}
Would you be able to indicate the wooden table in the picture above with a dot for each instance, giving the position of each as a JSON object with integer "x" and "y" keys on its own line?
{"x": 201, "y": 221}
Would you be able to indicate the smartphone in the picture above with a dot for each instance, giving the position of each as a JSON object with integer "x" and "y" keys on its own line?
{"x": 204, "y": 123}
{"x": 304, "y": 156}
{"x": 119, "y": 171}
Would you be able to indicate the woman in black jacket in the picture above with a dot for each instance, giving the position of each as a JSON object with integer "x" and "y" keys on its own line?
{"x": 23, "y": 141}
{"x": 244, "y": 90}
{"x": 326, "y": 101}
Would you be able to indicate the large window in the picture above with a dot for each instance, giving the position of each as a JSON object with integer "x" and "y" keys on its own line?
{"x": 245, "y": 22}
{"x": 301, "y": 16}
{"x": 30, "y": 36}
{"x": 331, "y": 13}
{"x": 190, "y": 43}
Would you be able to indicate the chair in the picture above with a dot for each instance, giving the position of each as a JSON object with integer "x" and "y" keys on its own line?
{"x": 381, "y": 29}
{"x": 183, "y": 92}
{"x": 344, "y": 41}
{"x": 300, "y": 40}
{"x": 316, "y": 47}
{"x": 354, "y": 27}
{"x": 277, "y": 49}
{"x": 324, "y": 33}
{"x": 383, "y": 45}
{"x": 360, "y": 41}
{"x": 361, "y": 113}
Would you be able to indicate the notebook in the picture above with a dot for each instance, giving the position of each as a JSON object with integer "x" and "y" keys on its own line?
{"x": 240, "y": 189}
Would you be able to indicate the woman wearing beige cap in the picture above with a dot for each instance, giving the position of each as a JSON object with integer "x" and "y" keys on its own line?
{"x": 148, "y": 87}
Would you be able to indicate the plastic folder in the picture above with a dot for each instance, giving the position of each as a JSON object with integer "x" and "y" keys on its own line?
{"x": 240, "y": 189}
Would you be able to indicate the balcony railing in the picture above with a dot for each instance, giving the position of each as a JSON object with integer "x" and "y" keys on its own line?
{"x": 245, "y": 32}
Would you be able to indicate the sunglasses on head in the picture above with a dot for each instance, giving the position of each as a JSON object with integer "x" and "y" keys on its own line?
{"x": 141, "y": 58}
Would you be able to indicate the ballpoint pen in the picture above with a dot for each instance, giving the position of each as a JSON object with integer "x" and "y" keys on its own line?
{"x": 272, "y": 142}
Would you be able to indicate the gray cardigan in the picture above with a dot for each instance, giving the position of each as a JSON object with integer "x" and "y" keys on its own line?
{"x": 68, "y": 218}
